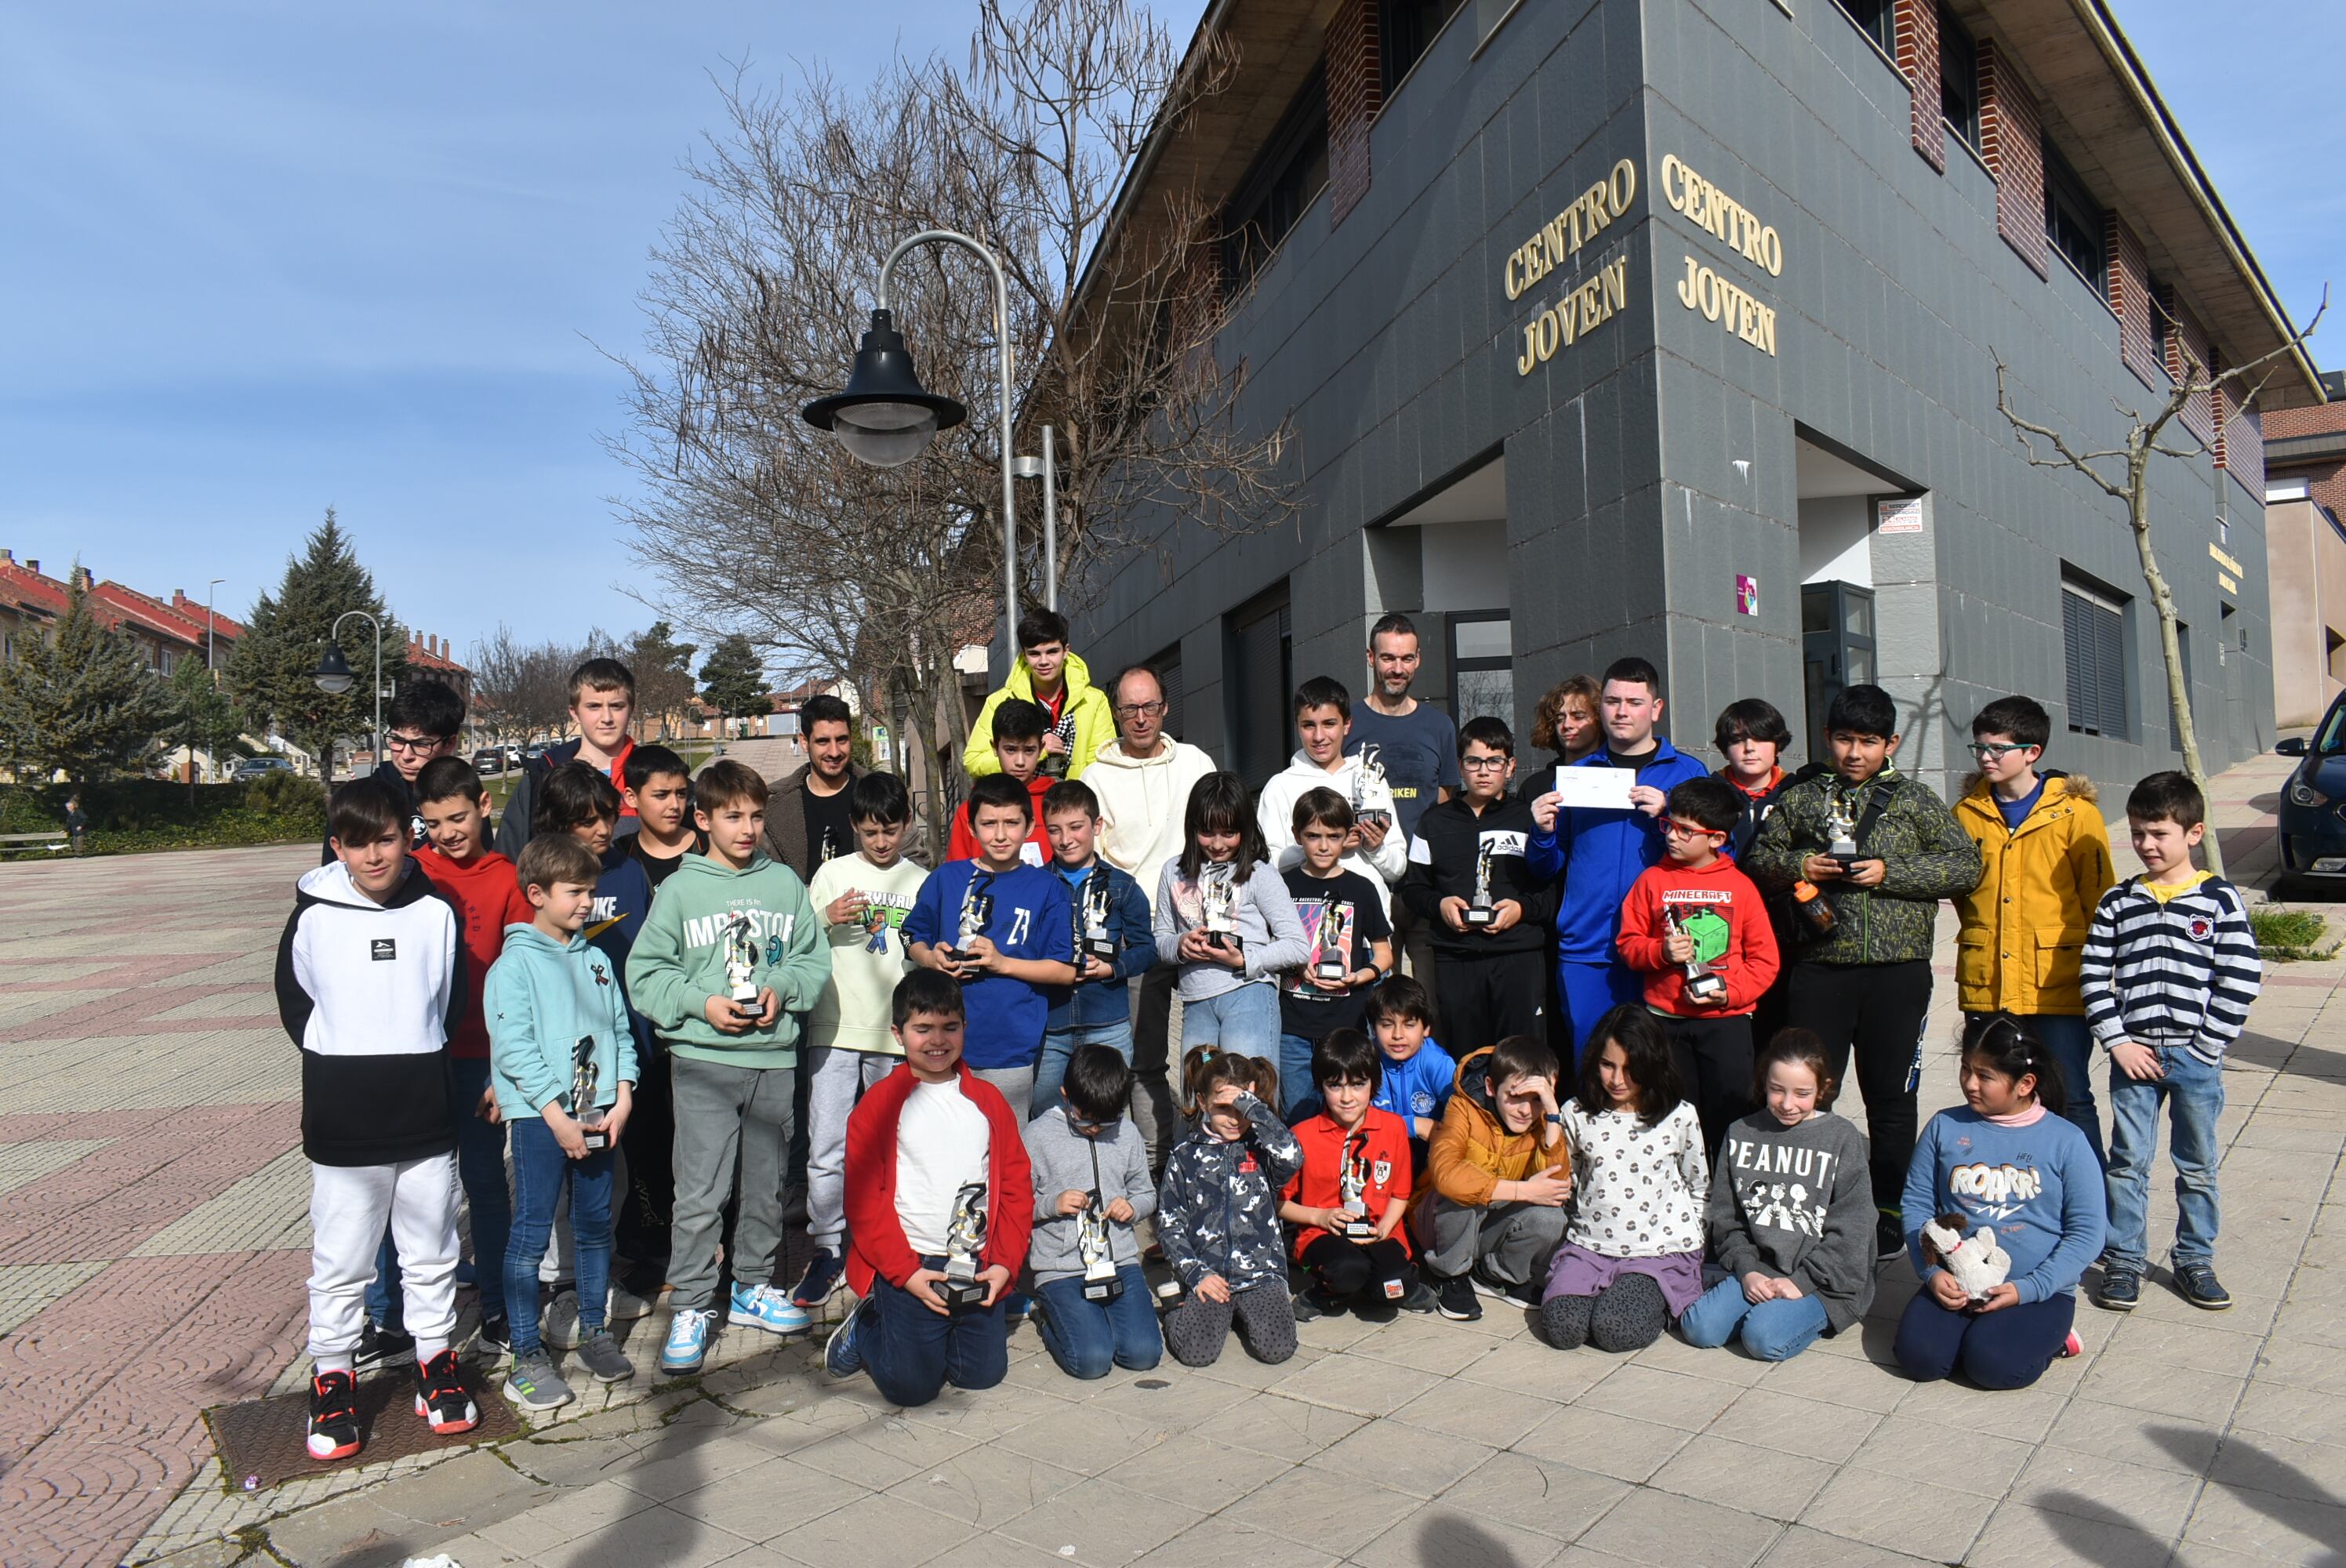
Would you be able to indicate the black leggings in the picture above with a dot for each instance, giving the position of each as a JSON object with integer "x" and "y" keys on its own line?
{"x": 1344, "y": 1270}
{"x": 1627, "y": 1315}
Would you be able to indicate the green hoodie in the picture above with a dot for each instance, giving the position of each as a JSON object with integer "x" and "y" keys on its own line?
{"x": 679, "y": 960}
{"x": 540, "y": 998}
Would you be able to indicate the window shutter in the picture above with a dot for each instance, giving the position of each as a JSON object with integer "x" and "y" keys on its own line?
{"x": 2109, "y": 661}
{"x": 2076, "y": 649}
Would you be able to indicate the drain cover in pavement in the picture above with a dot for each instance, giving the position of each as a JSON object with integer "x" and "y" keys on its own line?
{"x": 262, "y": 1442}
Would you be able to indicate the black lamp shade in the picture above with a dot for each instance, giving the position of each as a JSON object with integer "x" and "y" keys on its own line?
{"x": 885, "y": 416}
{"x": 333, "y": 672}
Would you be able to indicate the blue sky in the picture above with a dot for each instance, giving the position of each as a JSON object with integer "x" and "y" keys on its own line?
{"x": 262, "y": 257}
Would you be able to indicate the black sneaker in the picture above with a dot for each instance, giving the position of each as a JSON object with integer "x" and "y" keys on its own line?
{"x": 2196, "y": 1283}
{"x": 496, "y": 1335}
{"x": 843, "y": 1357}
{"x": 1418, "y": 1297}
{"x": 379, "y": 1346}
{"x": 1889, "y": 1239}
{"x": 822, "y": 1277}
{"x": 440, "y": 1397}
{"x": 333, "y": 1415}
{"x": 1456, "y": 1300}
{"x": 2121, "y": 1290}
{"x": 1310, "y": 1307}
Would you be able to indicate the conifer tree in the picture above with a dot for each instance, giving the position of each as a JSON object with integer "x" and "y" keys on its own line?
{"x": 272, "y": 672}
{"x": 82, "y": 702}
{"x": 733, "y": 677}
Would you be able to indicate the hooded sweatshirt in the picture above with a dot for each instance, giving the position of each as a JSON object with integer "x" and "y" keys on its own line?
{"x": 1217, "y": 1211}
{"x": 1083, "y": 708}
{"x": 370, "y": 991}
{"x": 1143, "y": 801}
{"x": 1601, "y": 853}
{"x": 487, "y": 899}
{"x": 679, "y": 960}
{"x": 551, "y": 1004}
{"x": 1113, "y": 1165}
{"x": 1471, "y": 1151}
{"x": 1383, "y": 867}
{"x": 1795, "y": 1203}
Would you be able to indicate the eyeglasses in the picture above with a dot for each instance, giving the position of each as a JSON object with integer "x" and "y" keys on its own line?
{"x": 1678, "y": 830}
{"x": 1484, "y": 764}
{"x": 413, "y": 742}
{"x": 1988, "y": 750}
{"x": 1138, "y": 709}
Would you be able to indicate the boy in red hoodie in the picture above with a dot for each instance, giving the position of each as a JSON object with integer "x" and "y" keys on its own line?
{"x": 1697, "y": 930}
{"x": 933, "y": 1154}
{"x": 1018, "y": 727}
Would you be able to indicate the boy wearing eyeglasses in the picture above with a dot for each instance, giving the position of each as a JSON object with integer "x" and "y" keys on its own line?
{"x": 420, "y": 726}
{"x": 2046, "y": 863}
{"x": 1696, "y": 928}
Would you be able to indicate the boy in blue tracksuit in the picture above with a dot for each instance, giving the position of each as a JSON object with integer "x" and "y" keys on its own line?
{"x": 1114, "y": 940}
{"x": 1602, "y": 852}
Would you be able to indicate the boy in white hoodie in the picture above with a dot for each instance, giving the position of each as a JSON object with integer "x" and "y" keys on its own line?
{"x": 1377, "y": 849}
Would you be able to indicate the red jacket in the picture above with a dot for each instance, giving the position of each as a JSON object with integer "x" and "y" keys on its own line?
{"x": 963, "y": 844}
{"x": 1386, "y": 1152}
{"x": 488, "y": 898}
{"x": 876, "y": 1243}
{"x": 1743, "y": 954}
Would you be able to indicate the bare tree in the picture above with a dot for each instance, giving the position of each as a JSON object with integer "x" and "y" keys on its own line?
{"x": 2123, "y": 472}
{"x": 523, "y": 690}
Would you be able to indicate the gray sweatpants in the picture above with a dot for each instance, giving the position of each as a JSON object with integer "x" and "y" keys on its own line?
{"x": 1506, "y": 1243}
{"x": 727, "y": 1117}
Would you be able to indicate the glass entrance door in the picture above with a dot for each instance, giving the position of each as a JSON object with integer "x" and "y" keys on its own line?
{"x": 1837, "y": 649}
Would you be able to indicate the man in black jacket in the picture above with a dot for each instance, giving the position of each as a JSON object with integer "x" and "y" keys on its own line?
{"x": 1467, "y": 881}
{"x": 602, "y": 702}
{"x": 806, "y": 815}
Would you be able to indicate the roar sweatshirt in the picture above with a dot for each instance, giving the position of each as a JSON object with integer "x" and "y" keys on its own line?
{"x": 678, "y": 961}
{"x": 2038, "y": 1186}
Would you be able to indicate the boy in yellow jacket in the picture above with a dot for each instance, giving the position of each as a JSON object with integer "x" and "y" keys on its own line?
{"x": 2047, "y": 863}
{"x": 1053, "y": 679}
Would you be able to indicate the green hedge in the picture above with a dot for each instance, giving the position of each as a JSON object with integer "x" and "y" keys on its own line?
{"x": 131, "y": 815}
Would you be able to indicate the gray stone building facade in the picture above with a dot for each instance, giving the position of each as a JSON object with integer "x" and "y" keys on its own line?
{"x": 1670, "y": 327}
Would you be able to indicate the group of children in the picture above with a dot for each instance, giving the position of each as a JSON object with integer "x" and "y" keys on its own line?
{"x": 650, "y": 1014}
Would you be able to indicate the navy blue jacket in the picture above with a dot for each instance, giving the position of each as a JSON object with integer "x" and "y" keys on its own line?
{"x": 1096, "y": 1002}
{"x": 1600, "y": 853}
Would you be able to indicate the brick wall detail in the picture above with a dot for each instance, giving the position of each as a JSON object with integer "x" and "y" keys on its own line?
{"x": 2126, "y": 287}
{"x": 1355, "y": 95}
{"x": 1917, "y": 23}
{"x": 2187, "y": 344}
{"x": 2011, "y": 145}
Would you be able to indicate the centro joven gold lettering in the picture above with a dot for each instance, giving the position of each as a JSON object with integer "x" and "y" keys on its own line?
{"x": 1709, "y": 207}
{"x": 1581, "y": 308}
{"x": 1731, "y": 307}
{"x": 1561, "y": 238}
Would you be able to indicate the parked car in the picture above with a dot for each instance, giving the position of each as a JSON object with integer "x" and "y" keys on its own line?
{"x": 260, "y": 768}
{"x": 2313, "y": 800}
{"x": 532, "y": 753}
{"x": 489, "y": 759}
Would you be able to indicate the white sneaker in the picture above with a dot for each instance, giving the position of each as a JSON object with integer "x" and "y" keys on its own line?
{"x": 626, "y": 1305}
{"x": 558, "y": 1325}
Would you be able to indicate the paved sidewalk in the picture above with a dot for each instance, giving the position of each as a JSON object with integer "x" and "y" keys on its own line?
{"x": 155, "y": 1246}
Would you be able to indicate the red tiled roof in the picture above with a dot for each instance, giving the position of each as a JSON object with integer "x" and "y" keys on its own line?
{"x": 31, "y": 590}
{"x": 115, "y": 604}
{"x": 224, "y": 628}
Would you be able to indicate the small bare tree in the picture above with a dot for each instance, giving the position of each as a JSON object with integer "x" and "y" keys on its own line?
{"x": 522, "y": 689}
{"x": 2123, "y": 472}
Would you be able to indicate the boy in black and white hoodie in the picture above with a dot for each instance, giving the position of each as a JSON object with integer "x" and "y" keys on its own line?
{"x": 370, "y": 984}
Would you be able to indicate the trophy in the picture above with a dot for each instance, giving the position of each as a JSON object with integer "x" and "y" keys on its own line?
{"x": 1335, "y": 960}
{"x": 741, "y": 967}
{"x": 964, "y": 1239}
{"x": 1055, "y": 763}
{"x": 1479, "y": 913}
{"x": 1218, "y": 896}
{"x": 1352, "y": 1181}
{"x": 585, "y": 1079}
{"x": 1840, "y": 828}
{"x": 1092, "y": 940}
{"x": 1101, "y": 1283}
{"x": 1702, "y": 986}
{"x": 1369, "y": 779}
{"x": 976, "y": 914}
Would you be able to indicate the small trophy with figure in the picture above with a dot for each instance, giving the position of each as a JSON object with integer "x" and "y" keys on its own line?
{"x": 976, "y": 914}
{"x": 1092, "y": 939}
{"x": 1369, "y": 784}
{"x": 964, "y": 1239}
{"x": 1335, "y": 942}
{"x": 1479, "y": 911}
{"x": 1840, "y": 827}
{"x": 1351, "y": 1182}
{"x": 741, "y": 967}
{"x": 1101, "y": 1283}
{"x": 1704, "y": 988}
{"x": 1218, "y": 896}
{"x": 586, "y": 1078}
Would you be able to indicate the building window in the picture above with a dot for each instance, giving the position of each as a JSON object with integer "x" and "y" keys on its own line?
{"x": 2073, "y": 219}
{"x": 1405, "y": 30}
{"x": 1289, "y": 173}
{"x": 1167, "y": 666}
{"x": 1959, "y": 94}
{"x": 1877, "y": 20}
{"x": 1260, "y": 682}
{"x": 1482, "y": 666}
{"x": 2093, "y": 649}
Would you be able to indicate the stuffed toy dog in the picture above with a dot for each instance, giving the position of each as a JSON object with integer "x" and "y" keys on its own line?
{"x": 1977, "y": 1263}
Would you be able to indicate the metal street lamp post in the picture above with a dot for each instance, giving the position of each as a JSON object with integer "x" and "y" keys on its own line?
{"x": 334, "y": 677}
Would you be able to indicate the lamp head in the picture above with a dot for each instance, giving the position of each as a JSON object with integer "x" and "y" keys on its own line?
{"x": 885, "y": 417}
{"x": 333, "y": 672}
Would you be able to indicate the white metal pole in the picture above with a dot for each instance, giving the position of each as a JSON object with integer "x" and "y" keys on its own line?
{"x": 1050, "y": 522}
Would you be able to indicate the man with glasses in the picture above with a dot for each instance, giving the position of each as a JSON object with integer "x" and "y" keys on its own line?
{"x": 422, "y": 723}
{"x": 1143, "y": 779}
{"x": 2045, "y": 859}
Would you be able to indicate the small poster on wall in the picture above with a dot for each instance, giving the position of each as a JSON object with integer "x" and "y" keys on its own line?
{"x": 1747, "y": 594}
{"x": 1900, "y": 515}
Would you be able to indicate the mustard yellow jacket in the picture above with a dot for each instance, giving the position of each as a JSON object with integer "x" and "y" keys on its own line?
{"x": 2023, "y": 927}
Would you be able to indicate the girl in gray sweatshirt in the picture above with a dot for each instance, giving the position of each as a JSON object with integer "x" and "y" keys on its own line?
{"x": 1790, "y": 1215}
{"x": 1225, "y": 917}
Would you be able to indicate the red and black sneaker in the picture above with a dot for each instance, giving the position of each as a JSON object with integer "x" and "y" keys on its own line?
{"x": 440, "y": 1397}
{"x": 333, "y": 1415}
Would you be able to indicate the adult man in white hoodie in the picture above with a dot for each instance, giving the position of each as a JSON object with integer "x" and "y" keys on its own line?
{"x": 1143, "y": 779}
{"x": 1378, "y": 848}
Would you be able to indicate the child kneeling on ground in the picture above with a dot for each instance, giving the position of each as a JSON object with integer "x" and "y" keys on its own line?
{"x": 1632, "y": 1255}
{"x": 1349, "y": 1200}
{"x": 930, "y": 1147}
{"x": 1491, "y": 1211}
{"x": 1218, "y": 1211}
{"x": 1091, "y": 1187}
{"x": 1791, "y": 1214}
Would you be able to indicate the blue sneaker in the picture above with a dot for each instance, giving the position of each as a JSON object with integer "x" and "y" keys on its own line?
{"x": 689, "y": 1333}
{"x": 821, "y": 1279}
{"x": 843, "y": 1357}
{"x": 763, "y": 1306}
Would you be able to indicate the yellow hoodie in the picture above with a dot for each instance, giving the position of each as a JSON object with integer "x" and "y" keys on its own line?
{"x": 1095, "y": 721}
{"x": 2023, "y": 927}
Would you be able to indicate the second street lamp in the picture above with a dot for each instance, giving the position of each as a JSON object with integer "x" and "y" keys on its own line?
{"x": 335, "y": 676}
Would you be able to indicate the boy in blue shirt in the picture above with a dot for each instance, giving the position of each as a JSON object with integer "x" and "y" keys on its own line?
{"x": 1418, "y": 1073}
{"x": 1112, "y": 936}
{"x": 1005, "y": 931}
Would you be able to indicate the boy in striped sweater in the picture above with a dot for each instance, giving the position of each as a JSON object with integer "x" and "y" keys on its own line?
{"x": 2170, "y": 969}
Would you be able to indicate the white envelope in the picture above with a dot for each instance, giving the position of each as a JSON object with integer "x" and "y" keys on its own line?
{"x": 1598, "y": 788}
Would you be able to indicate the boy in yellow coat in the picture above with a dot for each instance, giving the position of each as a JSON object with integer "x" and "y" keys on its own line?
{"x": 2046, "y": 858}
{"x": 1053, "y": 679}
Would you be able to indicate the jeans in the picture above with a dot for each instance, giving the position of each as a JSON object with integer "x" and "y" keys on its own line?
{"x": 1087, "y": 1338}
{"x": 1590, "y": 991}
{"x": 1058, "y": 1045}
{"x": 912, "y": 1353}
{"x": 1772, "y": 1331}
{"x": 481, "y": 1169}
{"x": 2006, "y": 1349}
{"x": 1244, "y": 1020}
{"x": 541, "y": 1172}
{"x": 2194, "y": 1092}
{"x": 2072, "y": 1045}
{"x": 1298, "y": 1096}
